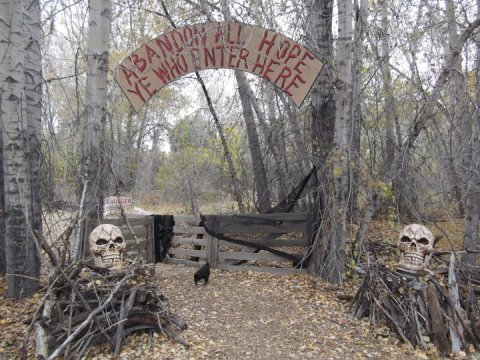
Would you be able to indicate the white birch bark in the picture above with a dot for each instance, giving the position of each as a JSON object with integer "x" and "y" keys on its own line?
{"x": 33, "y": 92}
{"x": 22, "y": 259}
{"x": 343, "y": 118}
{"x": 93, "y": 152}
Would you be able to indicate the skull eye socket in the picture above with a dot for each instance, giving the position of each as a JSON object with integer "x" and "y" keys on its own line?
{"x": 423, "y": 241}
{"x": 101, "y": 242}
{"x": 118, "y": 240}
{"x": 405, "y": 239}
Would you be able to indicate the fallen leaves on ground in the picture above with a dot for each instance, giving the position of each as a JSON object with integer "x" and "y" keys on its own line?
{"x": 242, "y": 315}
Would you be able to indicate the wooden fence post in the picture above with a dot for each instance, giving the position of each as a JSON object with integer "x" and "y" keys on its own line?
{"x": 149, "y": 223}
{"x": 212, "y": 243}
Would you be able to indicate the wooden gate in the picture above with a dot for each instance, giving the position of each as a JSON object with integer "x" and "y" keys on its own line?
{"x": 191, "y": 245}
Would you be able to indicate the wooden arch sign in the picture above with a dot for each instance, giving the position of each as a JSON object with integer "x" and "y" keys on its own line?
{"x": 262, "y": 52}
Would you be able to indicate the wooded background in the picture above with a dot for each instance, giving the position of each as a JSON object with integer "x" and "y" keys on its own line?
{"x": 391, "y": 123}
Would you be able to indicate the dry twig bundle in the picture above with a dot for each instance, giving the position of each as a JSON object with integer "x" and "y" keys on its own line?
{"x": 87, "y": 305}
{"x": 430, "y": 306}
{"x": 94, "y": 306}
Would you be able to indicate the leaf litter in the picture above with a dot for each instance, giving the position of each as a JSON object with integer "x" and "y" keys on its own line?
{"x": 241, "y": 315}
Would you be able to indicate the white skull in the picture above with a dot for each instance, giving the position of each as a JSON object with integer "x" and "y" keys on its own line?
{"x": 107, "y": 246}
{"x": 416, "y": 246}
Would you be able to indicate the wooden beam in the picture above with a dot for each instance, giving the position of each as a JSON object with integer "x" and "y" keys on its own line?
{"x": 186, "y": 218}
{"x": 269, "y": 242}
{"x": 271, "y": 270}
{"x": 185, "y": 229}
{"x": 230, "y": 227}
{"x": 438, "y": 325}
{"x": 178, "y": 240}
{"x": 188, "y": 252}
{"x": 262, "y": 256}
{"x": 175, "y": 261}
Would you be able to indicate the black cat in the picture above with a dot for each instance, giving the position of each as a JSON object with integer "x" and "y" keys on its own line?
{"x": 202, "y": 273}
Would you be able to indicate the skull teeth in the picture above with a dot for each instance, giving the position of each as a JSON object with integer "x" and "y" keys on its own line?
{"x": 111, "y": 259}
{"x": 414, "y": 259}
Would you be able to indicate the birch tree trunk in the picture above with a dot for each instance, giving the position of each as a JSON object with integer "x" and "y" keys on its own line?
{"x": 22, "y": 258}
{"x": 93, "y": 151}
{"x": 335, "y": 262}
{"x": 33, "y": 92}
{"x": 427, "y": 113}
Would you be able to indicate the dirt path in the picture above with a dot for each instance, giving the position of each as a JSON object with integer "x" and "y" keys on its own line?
{"x": 240, "y": 316}
{"x": 263, "y": 316}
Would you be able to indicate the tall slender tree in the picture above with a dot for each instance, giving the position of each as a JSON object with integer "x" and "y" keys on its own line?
{"x": 2, "y": 206}
{"x": 361, "y": 12}
{"x": 33, "y": 93}
{"x": 20, "y": 106}
{"x": 335, "y": 261}
{"x": 95, "y": 115}
{"x": 259, "y": 173}
{"x": 320, "y": 15}
{"x": 247, "y": 101}
{"x": 471, "y": 233}
{"x": 460, "y": 120}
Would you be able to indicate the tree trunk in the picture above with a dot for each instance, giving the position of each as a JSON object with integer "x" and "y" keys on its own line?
{"x": 426, "y": 116}
{"x": 259, "y": 172}
{"x": 427, "y": 113}
{"x": 471, "y": 234}
{"x": 22, "y": 258}
{"x": 93, "y": 152}
{"x": 403, "y": 180}
{"x": 460, "y": 124}
{"x": 355, "y": 139}
{"x": 323, "y": 123}
{"x": 2, "y": 197}
{"x": 334, "y": 265}
{"x": 301, "y": 153}
{"x": 226, "y": 152}
{"x": 231, "y": 168}
{"x": 33, "y": 92}
{"x": 267, "y": 134}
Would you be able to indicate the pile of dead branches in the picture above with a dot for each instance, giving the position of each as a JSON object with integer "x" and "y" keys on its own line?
{"x": 85, "y": 305}
{"x": 432, "y": 306}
